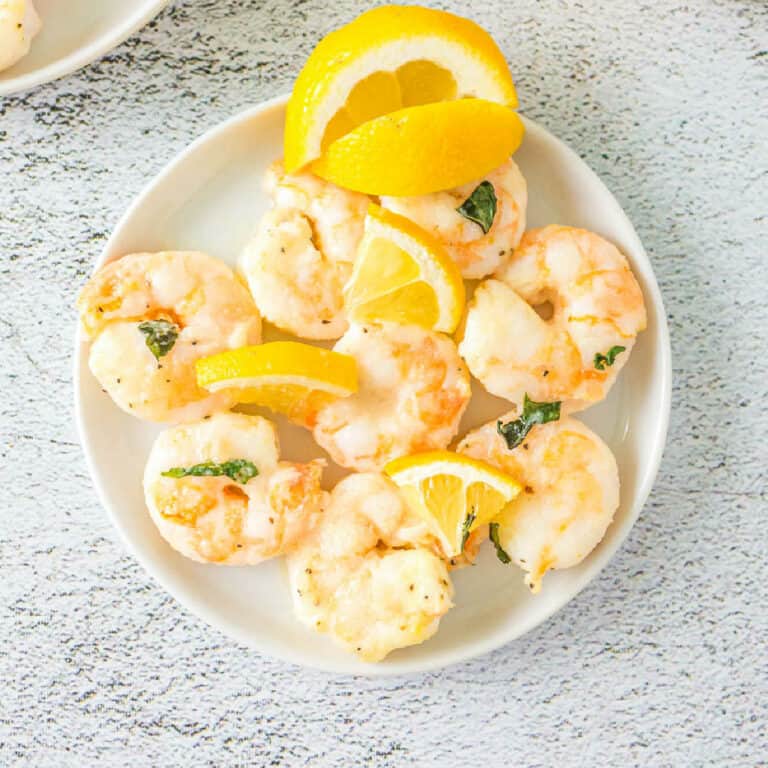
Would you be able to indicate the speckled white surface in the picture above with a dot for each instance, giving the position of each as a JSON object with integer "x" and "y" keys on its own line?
{"x": 663, "y": 661}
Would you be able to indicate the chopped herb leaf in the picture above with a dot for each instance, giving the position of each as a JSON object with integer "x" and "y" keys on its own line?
{"x": 480, "y": 206}
{"x": 500, "y": 553}
{"x": 160, "y": 335}
{"x": 601, "y": 361}
{"x": 515, "y": 431}
{"x": 239, "y": 470}
{"x": 465, "y": 527}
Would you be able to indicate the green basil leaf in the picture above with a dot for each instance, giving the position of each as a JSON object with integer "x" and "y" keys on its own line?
{"x": 500, "y": 553}
{"x": 601, "y": 361}
{"x": 514, "y": 432}
{"x": 480, "y": 206}
{"x": 465, "y": 526}
{"x": 239, "y": 470}
{"x": 160, "y": 335}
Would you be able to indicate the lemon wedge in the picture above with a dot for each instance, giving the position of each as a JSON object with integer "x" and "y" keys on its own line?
{"x": 453, "y": 493}
{"x": 420, "y": 150}
{"x": 389, "y": 58}
{"x": 289, "y": 377}
{"x": 404, "y": 275}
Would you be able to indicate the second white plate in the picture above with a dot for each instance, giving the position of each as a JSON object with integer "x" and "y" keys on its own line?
{"x": 75, "y": 33}
{"x": 210, "y": 199}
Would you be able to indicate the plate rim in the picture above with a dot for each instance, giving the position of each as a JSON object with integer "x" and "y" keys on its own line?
{"x": 84, "y": 55}
{"x": 482, "y": 646}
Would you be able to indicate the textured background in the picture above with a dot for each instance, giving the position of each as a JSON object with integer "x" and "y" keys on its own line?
{"x": 661, "y": 662}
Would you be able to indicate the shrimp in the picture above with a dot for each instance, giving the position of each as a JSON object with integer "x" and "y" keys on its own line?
{"x": 301, "y": 256}
{"x": 571, "y": 493}
{"x": 413, "y": 389}
{"x": 217, "y": 492}
{"x": 367, "y": 573}
{"x": 19, "y": 23}
{"x": 573, "y": 357}
{"x": 150, "y": 316}
{"x": 477, "y": 253}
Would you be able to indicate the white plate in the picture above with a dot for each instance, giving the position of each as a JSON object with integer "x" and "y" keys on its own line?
{"x": 74, "y": 33}
{"x": 209, "y": 198}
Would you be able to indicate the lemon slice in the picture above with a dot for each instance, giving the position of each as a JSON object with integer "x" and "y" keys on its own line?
{"x": 453, "y": 493}
{"x": 403, "y": 274}
{"x": 387, "y": 59}
{"x": 289, "y": 377}
{"x": 420, "y": 150}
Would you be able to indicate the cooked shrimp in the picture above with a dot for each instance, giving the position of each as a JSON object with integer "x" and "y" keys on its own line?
{"x": 218, "y": 494}
{"x": 571, "y": 493}
{"x": 150, "y": 316}
{"x": 367, "y": 574}
{"x": 413, "y": 389}
{"x": 19, "y": 23}
{"x": 301, "y": 255}
{"x": 574, "y": 356}
{"x": 477, "y": 253}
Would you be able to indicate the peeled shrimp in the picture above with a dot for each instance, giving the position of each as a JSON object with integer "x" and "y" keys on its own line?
{"x": 238, "y": 520}
{"x": 571, "y": 484}
{"x": 573, "y": 357}
{"x": 301, "y": 256}
{"x": 19, "y": 23}
{"x": 187, "y": 305}
{"x": 476, "y": 253}
{"x": 413, "y": 389}
{"x": 367, "y": 574}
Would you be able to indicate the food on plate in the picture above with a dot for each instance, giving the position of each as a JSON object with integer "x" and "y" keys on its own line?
{"x": 593, "y": 307}
{"x": 570, "y": 493}
{"x": 455, "y": 495}
{"x": 289, "y": 377}
{"x": 301, "y": 256}
{"x": 367, "y": 574}
{"x": 413, "y": 389}
{"x": 397, "y": 185}
{"x": 479, "y": 223}
{"x": 150, "y": 317}
{"x": 387, "y": 59}
{"x": 19, "y": 23}
{"x": 404, "y": 275}
{"x": 363, "y": 159}
{"x": 218, "y": 492}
